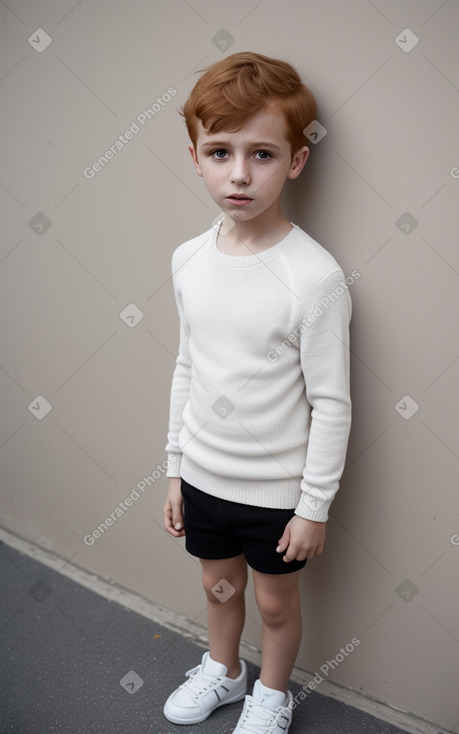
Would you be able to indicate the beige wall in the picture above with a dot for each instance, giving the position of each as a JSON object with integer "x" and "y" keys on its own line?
{"x": 389, "y": 572}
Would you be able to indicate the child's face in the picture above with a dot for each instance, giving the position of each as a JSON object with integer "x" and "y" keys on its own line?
{"x": 254, "y": 162}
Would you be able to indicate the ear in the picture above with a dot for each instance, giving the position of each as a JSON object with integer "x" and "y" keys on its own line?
{"x": 298, "y": 162}
{"x": 195, "y": 159}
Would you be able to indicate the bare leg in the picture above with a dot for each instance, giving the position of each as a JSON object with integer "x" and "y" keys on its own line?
{"x": 225, "y": 610}
{"x": 278, "y": 600}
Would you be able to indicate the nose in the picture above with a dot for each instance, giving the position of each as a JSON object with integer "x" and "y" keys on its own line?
{"x": 240, "y": 171}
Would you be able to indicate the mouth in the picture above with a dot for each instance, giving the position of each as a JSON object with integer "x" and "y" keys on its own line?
{"x": 239, "y": 199}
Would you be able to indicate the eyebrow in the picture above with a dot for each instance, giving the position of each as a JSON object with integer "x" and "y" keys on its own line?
{"x": 250, "y": 144}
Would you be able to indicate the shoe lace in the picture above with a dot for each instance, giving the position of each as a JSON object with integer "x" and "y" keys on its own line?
{"x": 257, "y": 718}
{"x": 198, "y": 682}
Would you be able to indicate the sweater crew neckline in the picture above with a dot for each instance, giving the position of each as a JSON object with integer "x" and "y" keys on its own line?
{"x": 241, "y": 261}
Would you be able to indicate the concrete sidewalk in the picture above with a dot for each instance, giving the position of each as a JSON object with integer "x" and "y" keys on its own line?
{"x": 74, "y": 662}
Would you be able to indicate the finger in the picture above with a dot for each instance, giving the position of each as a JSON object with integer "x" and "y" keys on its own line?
{"x": 169, "y": 523}
{"x": 290, "y": 554}
{"x": 167, "y": 515}
{"x": 294, "y": 553}
{"x": 318, "y": 551}
{"x": 168, "y": 520}
{"x": 284, "y": 541}
{"x": 177, "y": 517}
{"x": 172, "y": 531}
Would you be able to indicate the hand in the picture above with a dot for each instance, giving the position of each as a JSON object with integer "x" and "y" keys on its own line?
{"x": 173, "y": 508}
{"x": 302, "y": 539}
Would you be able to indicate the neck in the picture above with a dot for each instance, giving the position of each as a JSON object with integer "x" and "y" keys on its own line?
{"x": 263, "y": 231}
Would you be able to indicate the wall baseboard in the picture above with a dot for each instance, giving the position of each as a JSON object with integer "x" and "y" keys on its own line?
{"x": 184, "y": 627}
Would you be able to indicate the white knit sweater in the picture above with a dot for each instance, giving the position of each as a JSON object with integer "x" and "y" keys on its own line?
{"x": 260, "y": 410}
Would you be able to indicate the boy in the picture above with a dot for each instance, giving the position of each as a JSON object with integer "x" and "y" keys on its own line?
{"x": 260, "y": 408}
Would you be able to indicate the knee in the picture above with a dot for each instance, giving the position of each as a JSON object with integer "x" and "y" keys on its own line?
{"x": 223, "y": 589}
{"x": 275, "y": 610}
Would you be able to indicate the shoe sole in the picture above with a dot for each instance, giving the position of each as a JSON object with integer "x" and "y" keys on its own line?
{"x": 197, "y": 719}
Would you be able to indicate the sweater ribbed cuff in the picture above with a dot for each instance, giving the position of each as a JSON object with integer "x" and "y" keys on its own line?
{"x": 174, "y": 461}
{"x": 312, "y": 508}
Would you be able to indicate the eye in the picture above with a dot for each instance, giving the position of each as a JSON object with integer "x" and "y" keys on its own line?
{"x": 216, "y": 154}
{"x": 264, "y": 155}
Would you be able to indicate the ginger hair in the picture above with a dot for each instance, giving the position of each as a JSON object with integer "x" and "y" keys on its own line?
{"x": 243, "y": 83}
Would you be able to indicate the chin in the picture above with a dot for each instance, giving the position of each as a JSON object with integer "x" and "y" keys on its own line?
{"x": 239, "y": 213}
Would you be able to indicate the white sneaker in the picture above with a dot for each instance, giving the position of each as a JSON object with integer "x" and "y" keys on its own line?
{"x": 206, "y": 689}
{"x": 260, "y": 718}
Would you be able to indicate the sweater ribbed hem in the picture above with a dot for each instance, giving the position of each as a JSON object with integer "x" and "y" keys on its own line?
{"x": 304, "y": 504}
{"x": 280, "y": 494}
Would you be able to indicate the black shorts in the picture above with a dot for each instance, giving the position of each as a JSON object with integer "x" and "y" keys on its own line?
{"x": 217, "y": 529}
